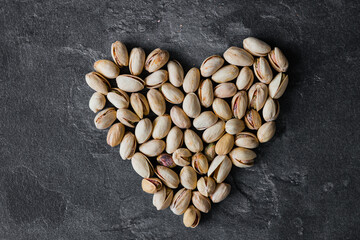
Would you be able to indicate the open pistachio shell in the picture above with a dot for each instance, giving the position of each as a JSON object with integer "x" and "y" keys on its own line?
{"x": 105, "y": 118}
{"x": 118, "y": 98}
{"x": 220, "y": 168}
{"x": 120, "y": 54}
{"x": 210, "y": 65}
{"x": 242, "y": 157}
{"x": 129, "y": 83}
{"x": 156, "y": 60}
{"x": 156, "y": 79}
{"x": 278, "y": 60}
{"x": 97, "y": 82}
{"x": 206, "y": 93}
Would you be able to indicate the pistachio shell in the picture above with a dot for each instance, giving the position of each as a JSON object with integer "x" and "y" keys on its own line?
{"x": 246, "y": 140}
{"x": 127, "y": 146}
{"x": 156, "y": 79}
{"x": 210, "y": 65}
{"x": 245, "y": 79}
{"x": 225, "y": 90}
{"x": 156, "y": 60}
{"x": 206, "y": 186}
{"x": 172, "y": 94}
{"x": 127, "y": 117}
{"x": 221, "y": 109}
{"x": 192, "y": 141}
{"x": 258, "y": 94}
{"x": 214, "y": 132}
{"x": 129, "y": 83}
{"x": 206, "y": 93}
{"x": 179, "y": 117}
{"x": 220, "y": 168}
{"x": 136, "y": 61}
{"x": 253, "y": 119}
{"x": 205, "y": 120}
{"x": 182, "y": 157}
{"x": 167, "y": 176}
{"x": 209, "y": 151}
{"x": 118, "y": 98}
{"x": 188, "y": 177}
{"x": 181, "y": 201}
{"x": 242, "y": 157}
{"x": 143, "y": 130}
{"x": 191, "y": 217}
{"x": 152, "y": 148}
{"x": 201, "y": 202}
{"x": 200, "y": 163}
{"x": 266, "y": 132}
{"x": 278, "y": 85}
{"x": 225, "y": 74}
{"x": 156, "y": 102}
{"x": 142, "y": 165}
{"x": 271, "y": 109}
{"x": 97, "y": 82}
{"x": 222, "y": 190}
{"x": 238, "y": 56}
{"x": 191, "y": 105}
{"x": 263, "y": 70}
{"x": 278, "y": 60}
{"x": 162, "y": 198}
{"x": 166, "y": 160}
{"x": 174, "y": 140}
{"x": 176, "y": 73}
{"x": 191, "y": 80}
{"x": 140, "y": 104}
{"x": 97, "y": 102}
{"x": 239, "y": 104}
{"x": 162, "y": 126}
{"x": 151, "y": 185}
{"x": 107, "y": 68}
{"x": 256, "y": 47}
{"x": 115, "y": 134}
{"x": 120, "y": 54}
{"x": 225, "y": 144}
{"x": 105, "y": 118}
{"x": 234, "y": 126}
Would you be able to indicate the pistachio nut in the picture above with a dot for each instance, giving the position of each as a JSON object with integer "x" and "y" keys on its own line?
{"x": 107, "y": 68}
{"x": 192, "y": 141}
{"x": 176, "y": 73}
{"x": 188, "y": 177}
{"x": 127, "y": 117}
{"x": 182, "y": 157}
{"x": 271, "y": 109}
{"x": 200, "y": 163}
{"x": 105, "y": 118}
{"x": 245, "y": 79}
{"x": 156, "y": 79}
{"x": 136, "y": 61}
{"x": 278, "y": 85}
{"x": 156, "y": 102}
{"x": 210, "y": 65}
{"x": 214, "y": 132}
{"x": 191, "y": 105}
{"x": 179, "y": 118}
{"x": 171, "y": 93}
{"x": 225, "y": 144}
{"x": 246, "y": 140}
{"x": 206, "y": 93}
{"x": 209, "y": 151}
{"x": 263, "y": 70}
{"x": 97, "y": 102}
{"x": 222, "y": 109}
{"x": 253, "y": 119}
{"x": 156, "y": 60}
{"x": 166, "y": 160}
{"x": 234, "y": 126}
{"x": 239, "y": 104}
{"x": 120, "y": 54}
{"x": 143, "y": 130}
{"x": 266, "y": 132}
{"x": 191, "y": 80}
{"x": 142, "y": 165}
{"x": 167, "y": 176}
{"x": 220, "y": 168}
{"x": 127, "y": 146}
{"x": 205, "y": 120}
{"x": 201, "y": 202}
{"x": 118, "y": 98}
{"x": 278, "y": 60}
{"x": 242, "y": 157}
{"x": 115, "y": 134}
{"x": 162, "y": 126}
{"x": 225, "y": 74}
{"x": 256, "y": 47}
{"x": 222, "y": 190}
{"x": 191, "y": 217}
{"x": 130, "y": 83}
{"x": 140, "y": 104}
{"x": 238, "y": 56}
{"x": 206, "y": 186}
{"x": 152, "y": 148}
{"x": 151, "y": 185}
{"x": 225, "y": 90}
{"x": 97, "y": 82}
{"x": 258, "y": 94}
{"x": 180, "y": 201}
{"x": 162, "y": 198}
{"x": 174, "y": 139}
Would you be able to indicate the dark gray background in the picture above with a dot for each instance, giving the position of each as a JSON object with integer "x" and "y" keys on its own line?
{"x": 59, "y": 179}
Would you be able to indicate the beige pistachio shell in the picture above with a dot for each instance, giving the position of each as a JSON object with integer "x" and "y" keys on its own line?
{"x": 115, "y": 134}
{"x": 245, "y": 79}
{"x": 220, "y": 168}
{"x": 191, "y": 217}
{"x": 221, "y": 192}
{"x": 225, "y": 90}
{"x": 239, "y": 104}
{"x": 266, "y": 132}
{"x": 127, "y": 117}
{"x": 152, "y": 148}
{"x": 238, "y": 56}
{"x": 162, "y": 126}
{"x": 252, "y": 119}
{"x": 162, "y": 198}
{"x": 140, "y": 104}
{"x": 180, "y": 201}
{"x": 242, "y": 157}
{"x": 176, "y": 73}
{"x": 130, "y": 83}
{"x": 143, "y": 130}
{"x": 156, "y": 102}
{"x": 258, "y": 94}
{"x": 246, "y": 140}
{"x": 136, "y": 61}
{"x": 201, "y": 202}
{"x": 182, "y": 157}
{"x": 191, "y": 80}
{"x": 167, "y": 176}
{"x": 156, "y": 60}
{"x": 205, "y": 120}
{"x": 191, "y": 105}
{"x": 172, "y": 94}
{"x": 107, "y": 68}
{"x": 214, "y": 132}
{"x": 97, "y": 102}
{"x": 256, "y": 46}
{"x": 210, "y": 65}
{"x": 225, "y": 144}
{"x": 263, "y": 70}
{"x": 97, "y": 82}
{"x": 174, "y": 139}
{"x": 206, "y": 186}
{"x": 105, "y": 118}
{"x": 179, "y": 118}
{"x": 156, "y": 79}
{"x": 209, "y": 151}
{"x": 278, "y": 85}
{"x": 127, "y": 146}
{"x": 206, "y": 93}
{"x": 222, "y": 109}
{"x": 120, "y": 54}
{"x": 200, "y": 163}
{"x": 166, "y": 160}
{"x": 188, "y": 177}
{"x": 234, "y": 126}
{"x": 118, "y": 98}
{"x": 278, "y": 60}
{"x": 142, "y": 165}
{"x": 192, "y": 141}
{"x": 151, "y": 185}
{"x": 225, "y": 74}
{"x": 271, "y": 109}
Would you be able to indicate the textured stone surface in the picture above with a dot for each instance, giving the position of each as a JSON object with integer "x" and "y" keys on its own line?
{"x": 59, "y": 179}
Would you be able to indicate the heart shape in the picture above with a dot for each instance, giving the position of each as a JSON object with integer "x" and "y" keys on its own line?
{"x": 225, "y": 115}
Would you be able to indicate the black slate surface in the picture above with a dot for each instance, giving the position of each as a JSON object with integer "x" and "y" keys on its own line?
{"x": 59, "y": 179}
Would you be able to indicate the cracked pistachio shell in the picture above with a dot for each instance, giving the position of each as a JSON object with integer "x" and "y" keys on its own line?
{"x": 180, "y": 201}
{"x": 192, "y": 141}
{"x": 278, "y": 60}
{"x": 152, "y": 148}
{"x": 200, "y": 163}
{"x": 210, "y": 65}
{"x": 140, "y": 104}
{"x": 271, "y": 109}
{"x": 172, "y": 94}
{"x": 182, "y": 157}
{"x": 105, "y": 118}
{"x": 127, "y": 146}
{"x": 258, "y": 94}
{"x": 174, "y": 139}
{"x": 179, "y": 117}
{"x": 205, "y": 120}
{"x": 130, "y": 83}
{"x": 115, "y": 134}
{"x": 214, "y": 132}
{"x": 222, "y": 109}
{"x": 234, "y": 126}
{"x": 242, "y": 157}
{"x": 162, "y": 126}
{"x": 188, "y": 177}
{"x": 191, "y": 217}
{"x": 156, "y": 79}
{"x": 253, "y": 119}
{"x": 256, "y": 47}
{"x": 206, "y": 93}
{"x": 263, "y": 70}
{"x": 97, "y": 102}
{"x": 278, "y": 85}
{"x": 118, "y": 98}
{"x": 201, "y": 202}
{"x": 191, "y": 105}
{"x": 162, "y": 198}
{"x": 225, "y": 74}
{"x": 209, "y": 151}
{"x": 220, "y": 168}
{"x": 156, "y": 102}
{"x": 136, "y": 61}
{"x": 225, "y": 90}
{"x": 191, "y": 80}
{"x": 245, "y": 79}
{"x": 120, "y": 54}
{"x": 107, "y": 68}
{"x": 127, "y": 117}
{"x": 166, "y": 160}
{"x": 156, "y": 60}
{"x": 238, "y": 56}
{"x": 239, "y": 104}
{"x": 246, "y": 140}
{"x": 97, "y": 82}
{"x": 151, "y": 185}
{"x": 225, "y": 144}
{"x": 221, "y": 192}
{"x": 266, "y": 132}
{"x": 143, "y": 130}
{"x": 167, "y": 176}
{"x": 176, "y": 73}
{"x": 142, "y": 165}
{"x": 206, "y": 186}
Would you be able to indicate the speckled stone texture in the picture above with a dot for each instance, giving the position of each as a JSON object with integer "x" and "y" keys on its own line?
{"x": 59, "y": 179}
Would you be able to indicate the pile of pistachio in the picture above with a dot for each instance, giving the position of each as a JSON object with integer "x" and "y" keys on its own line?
{"x": 219, "y": 113}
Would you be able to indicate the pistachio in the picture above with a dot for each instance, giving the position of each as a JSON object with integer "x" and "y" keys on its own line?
{"x": 143, "y": 130}
{"x": 205, "y": 120}
{"x": 210, "y": 65}
{"x": 140, "y": 104}
{"x": 120, "y": 54}
{"x": 172, "y": 94}
{"x": 142, "y": 165}
{"x": 166, "y": 160}
{"x": 97, "y": 102}
{"x": 242, "y": 157}
{"x": 225, "y": 144}
{"x": 206, "y": 93}
{"x": 220, "y": 168}
{"x": 225, "y": 74}
{"x": 245, "y": 79}
{"x": 156, "y": 79}
{"x": 256, "y": 47}
{"x": 278, "y": 85}
{"x": 151, "y": 185}
{"x": 200, "y": 163}
{"x": 118, "y": 98}
{"x": 107, "y": 68}
{"x": 176, "y": 73}
{"x": 127, "y": 146}
{"x": 246, "y": 140}
{"x": 129, "y": 83}
{"x": 156, "y": 60}
{"x": 278, "y": 60}
{"x": 221, "y": 109}
{"x": 156, "y": 102}
{"x": 253, "y": 119}
{"x": 225, "y": 90}
{"x": 263, "y": 70}
{"x": 182, "y": 157}
{"x": 174, "y": 140}
{"x": 127, "y": 117}
{"x": 214, "y": 132}
{"x": 222, "y": 190}
{"x": 206, "y": 186}
{"x": 191, "y": 80}
{"x": 97, "y": 82}
{"x": 258, "y": 94}
{"x": 209, "y": 151}
{"x": 162, "y": 198}
{"x": 136, "y": 61}
{"x": 266, "y": 132}
{"x": 152, "y": 148}
{"x": 192, "y": 141}
{"x": 179, "y": 117}
{"x": 105, "y": 118}
{"x": 180, "y": 201}
{"x": 191, "y": 105}
{"x": 115, "y": 134}
{"x": 191, "y": 217}
{"x": 271, "y": 109}
{"x": 188, "y": 177}
{"x": 238, "y": 56}
{"x": 162, "y": 126}
{"x": 167, "y": 176}
{"x": 234, "y": 126}
{"x": 239, "y": 104}
{"x": 201, "y": 202}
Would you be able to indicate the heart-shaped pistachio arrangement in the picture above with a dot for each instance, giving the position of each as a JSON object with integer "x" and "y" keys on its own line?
{"x": 224, "y": 115}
